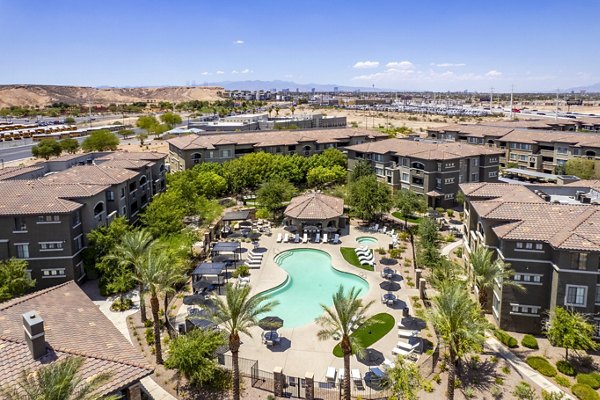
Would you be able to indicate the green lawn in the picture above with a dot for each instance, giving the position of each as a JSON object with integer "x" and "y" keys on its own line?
{"x": 350, "y": 255}
{"x": 371, "y": 331}
{"x": 412, "y": 218}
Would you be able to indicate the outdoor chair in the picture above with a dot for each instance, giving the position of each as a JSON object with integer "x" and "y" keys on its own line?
{"x": 286, "y": 238}
{"x": 408, "y": 333}
{"x": 305, "y": 238}
{"x": 279, "y": 237}
{"x": 336, "y": 239}
{"x": 330, "y": 375}
{"x": 324, "y": 238}
{"x": 318, "y": 238}
{"x": 297, "y": 238}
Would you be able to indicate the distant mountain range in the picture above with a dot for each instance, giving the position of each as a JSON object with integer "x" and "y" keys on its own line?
{"x": 595, "y": 88}
{"x": 292, "y": 86}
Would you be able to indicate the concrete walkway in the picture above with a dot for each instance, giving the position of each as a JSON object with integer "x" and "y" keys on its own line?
{"x": 523, "y": 368}
{"x": 450, "y": 247}
{"x": 119, "y": 320}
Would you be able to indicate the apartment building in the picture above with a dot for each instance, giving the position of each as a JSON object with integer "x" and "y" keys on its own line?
{"x": 187, "y": 151}
{"x": 262, "y": 122}
{"x": 545, "y": 151}
{"x": 45, "y": 214}
{"x": 430, "y": 168}
{"x": 549, "y": 236}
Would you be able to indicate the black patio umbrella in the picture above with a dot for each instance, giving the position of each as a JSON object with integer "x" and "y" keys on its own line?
{"x": 390, "y": 286}
{"x": 254, "y": 235}
{"x": 311, "y": 228}
{"x": 388, "y": 261}
{"x": 270, "y": 323}
{"x": 235, "y": 235}
{"x": 259, "y": 250}
{"x": 291, "y": 228}
{"x": 371, "y": 357}
{"x": 330, "y": 229}
{"x": 245, "y": 223}
{"x": 220, "y": 258}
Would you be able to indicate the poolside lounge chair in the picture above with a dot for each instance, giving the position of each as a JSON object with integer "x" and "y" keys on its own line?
{"x": 341, "y": 374}
{"x": 391, "y": 233}
{"x": 330, "y": 375}
{"x": 305, "y": 238}
{"x": 279, "y": 237}
{"x": 336, "y": 238}
{"x": 286, "y": 238}
{"x": 318, "y": 238}
{"x": 408, "y": 346}
{"x": 387, "y": 364}
{"x": 356, "y": 376}
{"x": 408, "y": 333}
{"x": 384, "y": 230}
{"x": 375, "y": 227}
{"x": 297, "y": 238}
{"x": 325, "y": 238}
{"x": 398, "y": 351}
{"x": 253, "y": 264}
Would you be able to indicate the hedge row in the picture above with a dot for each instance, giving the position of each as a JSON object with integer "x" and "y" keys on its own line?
{"x": 592, "y": 379}
{"x": 584, "y": 392}
{"x": 506, "y": 339}
{"x": 541, "y": 365}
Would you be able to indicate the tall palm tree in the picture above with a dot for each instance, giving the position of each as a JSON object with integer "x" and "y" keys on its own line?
{"x": 131, "y": 253}
{"x": 237, "y": 313}
{"x": 347, "y": 310}
{"x": 157, "y": 274}
{"x": 458, "y": 320}
{"x": 487, "y": 271}
{"x": 59, "y": 380}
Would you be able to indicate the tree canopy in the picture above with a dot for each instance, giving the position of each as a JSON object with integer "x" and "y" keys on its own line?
{"x": 147, "y": 122}
{"x": 369, "y": 198}
{"x": 273, "y": 193}
{"x": 69, "y": 145}
{"x": 581, "y": 167}
{"x": 409, "y": 202}
{"x": 14, "y": 279}
{"x": 322, "y": 176}
{"x": 102, "y": 140}
{"x": 571, "y": 330}
{"x": 171, "y": 119}
{"x": 361, "y": 168}
{"x": 47, "y": 148}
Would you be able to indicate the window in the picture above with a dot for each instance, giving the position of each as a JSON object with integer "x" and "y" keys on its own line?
{"x": 513, "y": 156}
{"x": 98, "y": 209}
{"x": 525, "y": 278}
{"x": 522, "y": 157}
{"x": 450, "y": 165}
{"x": 529, "y": 246}
{"x": 78, "y": 243}
{"x": 439, "y": 167}
{"x": 124, "y": 210}
{"x": 48, "y": 219}
{"x": 576, "y": 152}
{"x": 110, "y": 195}
{"x": 598, "y": 294}
{"x": 575, "y": 296}
{"x": 53, "y": 273}
{"x": 211, "y": 154}
{"x": 143, "y": 181}
{"x": 475, "y": 162}
{"x": 493, "y": 160}
{"x": 519, "y": 245}
{"x": 22, "y": 250}
{"x": 448, "y": 181}
{"x": 132, "y": 187}
{"x": 562, "y": 150}
{"x": 405, "y": 162}
{"x": 405, "y": 177}
{"x": 579, "y": 260}
{"x": 20, "y": 225}
{"x": 377, "y": 157}
{"x": 51, "y": 246}
{"x": 418, "y": 165}
{"x": 474, "y": 177}
{"x": 122, "y": 192}
{"x": 449, "y": 196}
{"x": 292, "y": 148}
{"x": 438, "y": 183}
{"x": 379, "y": 171}
{"x": 539, "y": 246}
{"x": 496, "y": 305}
{"x": 227, "y": 153}
{"x": 525, "y": 310}
{"x": 76, "y": 218}
{"x": 493, "y": 174}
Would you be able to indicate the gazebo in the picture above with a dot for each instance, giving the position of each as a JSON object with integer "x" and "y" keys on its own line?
{"x": 315, "y": 211}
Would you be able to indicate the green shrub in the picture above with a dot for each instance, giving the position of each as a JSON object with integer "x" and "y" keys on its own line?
{"x": 530, "y": 342}
{"x": 437, "y": 379}
{"x": 589, "y": 379}
{"x": 506, "y": 339}
{"x": 565, "y": 367}
{"x": 541, "y": 365}
{"x": 427, "y": 386}
{"x": 149, "y": 336}
{"x": 242, "y": 270}
{"x": 498, "y": 380}
{"x": 459, "y": 252}
{"x": 524, "y": 391}
{"x": 562, "y": 381}
{"x": 450, "y": 213}
{"x": 584, "y": 392}
{"x": 440, "y": 210}
{"x": 148, "y": 323}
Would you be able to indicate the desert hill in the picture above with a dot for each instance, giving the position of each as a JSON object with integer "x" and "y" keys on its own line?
{"x": 43, "y": 95}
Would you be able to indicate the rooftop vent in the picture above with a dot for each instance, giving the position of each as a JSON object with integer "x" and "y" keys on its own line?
{"x": 33, "y": 326}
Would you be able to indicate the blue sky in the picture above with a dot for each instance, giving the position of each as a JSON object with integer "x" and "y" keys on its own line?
{"x": 406, "y": 45}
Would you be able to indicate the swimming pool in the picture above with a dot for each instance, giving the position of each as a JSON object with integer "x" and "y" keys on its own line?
{"x": 311, "y": 281}
{"x": 366, "y": 240}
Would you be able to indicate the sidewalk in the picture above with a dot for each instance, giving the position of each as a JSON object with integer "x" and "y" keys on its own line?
{"x": 450, "y": 247}
{"x": 523, "y": 368}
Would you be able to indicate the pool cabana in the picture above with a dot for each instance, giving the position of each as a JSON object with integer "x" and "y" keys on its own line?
{"x": 314, "y": 212}
{"x": 209, "y": 274}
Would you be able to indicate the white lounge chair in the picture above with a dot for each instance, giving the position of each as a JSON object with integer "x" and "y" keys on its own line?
{"x": 363, "y": 253}
{"x": 384, "y": 230}
{"x": 330, "y": 375}
{"x": 398, "y": 351}
{"x": 279, "y": 237}
{"x": 341, "y": 374}
{"x": 286, "y": 238}
{"x": 318, "y": 238}
{"x": 305, "y": 238}
{"x": 297, "y": 238}
{"x": 356, "y": 376}
{"x": 408, "y": 346}
{"x": 336, "y": 238}
{"x": 407, "y": 333}
{"x": 388, "y": 364}
{"x": 391, "y": 233}
{"x": 376, "y": 228}
{"x": 325, "y": 238}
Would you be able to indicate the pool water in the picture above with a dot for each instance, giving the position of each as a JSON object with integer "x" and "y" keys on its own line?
{"x": 366, "y": 240}
{"x": 311, "y": 281}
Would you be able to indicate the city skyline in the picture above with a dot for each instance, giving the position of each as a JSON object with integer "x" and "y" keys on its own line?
{"x": 425, "y": 46}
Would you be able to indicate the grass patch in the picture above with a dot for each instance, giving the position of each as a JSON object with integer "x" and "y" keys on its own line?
{"x": 350, "y": 256}
{"x": 411, "y": 218}
{"x": 371, "y": 331}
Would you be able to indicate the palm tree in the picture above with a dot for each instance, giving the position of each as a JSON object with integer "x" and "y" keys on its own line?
{"x": 292, "y": 109}
{"x": 131, "y": 253}
{"x": 236, "y": 314}
{"x": 461, "y": 327}
{"x": 347, "y": 310}
{"x": 158, "y": 274}
{"x": 487, "y": 271}
{"x": 59, "y": 380}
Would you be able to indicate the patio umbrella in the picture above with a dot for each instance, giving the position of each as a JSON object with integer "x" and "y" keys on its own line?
{"x": 220, "y": 258}
{"x": 371, "y": 357}
{"x": 235, "y": 235}
{"x": 388, "y": 261}
{"x": 291, "y": 228}
{"x": 390, "y": 286}
{"x": 260, "y": 250}
{"x": 245, "y": 231}
{"x": 246, "y": 223}
{"x": 330, "y": 229}
{"x": 270, "y": 323}
{"x": 254, "y": 235}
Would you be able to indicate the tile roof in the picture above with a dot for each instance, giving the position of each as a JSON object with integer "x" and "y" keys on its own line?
{"x": 474, "y": 130}
{"x": 546, "y": 123}
{"x": 74, "y": 326}
{"x": 91, "y": 174}
{"x": 500, "y": 191}
{"x": 424, "y": 150}
{"x": 12, "y": 172}
{"x": 269, "y": 138}
{"x": 541, "y": 136}
{"x": 315, "y": 206}
{"x": 133, "y": 155}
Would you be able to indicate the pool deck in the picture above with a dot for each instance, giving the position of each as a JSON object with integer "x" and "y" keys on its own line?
{"x": 300, "y": 351}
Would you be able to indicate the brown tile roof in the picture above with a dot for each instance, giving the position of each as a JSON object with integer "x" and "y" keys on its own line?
{"x": 91, "y": 174}
{"x": 13, "y": 172}
{"x": 474, "y": 130}
{"x": 424, "y": 150}
{"x": 74, "y": 326}
{"x": 545, "y": 123}
{"x": 41, "y": 197}
{"x": 134, "y": 155}
{"x": 315, "y": 206}
{"x": 269, "y": 138}
{"x": 540, "y": 136}
{"x": 500, "y": 191}
{"x": 127, "y": 164}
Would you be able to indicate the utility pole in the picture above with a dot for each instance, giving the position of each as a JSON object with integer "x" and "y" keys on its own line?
{"x": 556, "y": 115}
{"x": 512, "y": 88}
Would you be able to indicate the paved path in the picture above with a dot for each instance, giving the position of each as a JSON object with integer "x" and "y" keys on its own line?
{"x": 523, "y": 368}
{"x": 119, "y": 320}
{"x": 450, "y": 247}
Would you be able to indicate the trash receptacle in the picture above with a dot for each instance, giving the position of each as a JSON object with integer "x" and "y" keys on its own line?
{"x": 406, "y": 312}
